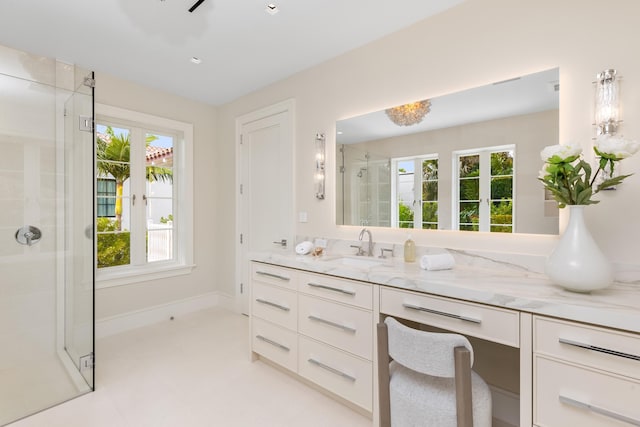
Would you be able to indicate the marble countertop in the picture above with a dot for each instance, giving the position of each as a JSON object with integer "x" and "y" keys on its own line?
{"x": 508, "y": 286}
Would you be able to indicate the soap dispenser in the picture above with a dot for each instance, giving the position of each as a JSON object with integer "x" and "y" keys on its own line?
{"x": 409, "y": 250}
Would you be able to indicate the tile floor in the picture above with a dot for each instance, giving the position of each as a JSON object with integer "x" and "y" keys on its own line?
{"x": 37, "y": 383}
{"x": 193, "y": 371}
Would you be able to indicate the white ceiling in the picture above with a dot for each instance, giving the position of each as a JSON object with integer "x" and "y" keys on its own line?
{"x": 242, "y": 47}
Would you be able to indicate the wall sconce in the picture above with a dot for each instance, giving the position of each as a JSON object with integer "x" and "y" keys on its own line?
{"x": 607, "y": 102}
{"x": 320, "y": 163}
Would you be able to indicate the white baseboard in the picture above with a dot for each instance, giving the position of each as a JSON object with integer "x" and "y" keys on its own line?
{"x": 148, "y": 316}
{"x": 506, "y": 406}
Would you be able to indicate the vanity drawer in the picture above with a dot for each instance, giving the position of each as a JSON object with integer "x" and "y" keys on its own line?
{"x": 277, "y": 344}
{"x": 605, "y": 349}
{"x": 275, "y": 304}
{"x": 345, "y": 327}
{"x": 274, "y": 275}
{"x": 493, "y": 324}
{"x": 341, "y": 290}
{"x": 341, "y": 373}
{"x": 567, "y": 395}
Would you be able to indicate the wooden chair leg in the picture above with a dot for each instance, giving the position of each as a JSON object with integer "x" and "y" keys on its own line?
{"x": 383, "y": 375}
{"x": 464, "y": 402}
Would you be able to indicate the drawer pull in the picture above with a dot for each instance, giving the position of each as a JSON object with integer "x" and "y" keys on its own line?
{"x": 598, "y": 410}
{"x": 599, "y": 349}
{"x": 273, "y": 343}
{"x": 275, "y": 276}
{"x": 441, "y": 313}
{"x": 332, "y": 370}
{"x": 330, "y": 288}
{"x": 272, "y": 304}
{"x": 334, "y": 324}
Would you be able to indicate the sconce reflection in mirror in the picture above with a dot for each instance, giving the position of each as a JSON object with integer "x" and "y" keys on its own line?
{"x": 607, "y": 102}
{"x": 320, "y": 165}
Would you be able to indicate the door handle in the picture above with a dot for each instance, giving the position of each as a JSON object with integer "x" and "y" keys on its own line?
{"x": 282, "y": 243}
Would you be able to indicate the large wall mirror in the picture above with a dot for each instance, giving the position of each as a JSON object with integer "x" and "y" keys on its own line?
{"x": 470, "y": 163}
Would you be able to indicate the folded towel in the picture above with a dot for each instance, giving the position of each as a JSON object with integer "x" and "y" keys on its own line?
{"x": 437, "y": 262}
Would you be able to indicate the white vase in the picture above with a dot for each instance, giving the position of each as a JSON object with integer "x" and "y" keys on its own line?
{"x": 577, "y": 264}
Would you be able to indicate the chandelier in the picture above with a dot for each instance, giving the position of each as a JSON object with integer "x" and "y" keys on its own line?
{"x": 409, "y": 114}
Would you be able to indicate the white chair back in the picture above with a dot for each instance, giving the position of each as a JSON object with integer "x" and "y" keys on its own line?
{"x": 425, "y": 352}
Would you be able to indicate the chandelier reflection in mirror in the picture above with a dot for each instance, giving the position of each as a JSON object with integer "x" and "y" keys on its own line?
{"x": 409, "y": 114}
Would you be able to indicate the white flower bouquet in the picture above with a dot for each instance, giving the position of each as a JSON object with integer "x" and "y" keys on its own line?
{"x": 570, "y": 179}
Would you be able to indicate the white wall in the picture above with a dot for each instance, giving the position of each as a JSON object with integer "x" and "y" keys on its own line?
{"x": 122, "y": 299}
{"x": 478, "y": 42}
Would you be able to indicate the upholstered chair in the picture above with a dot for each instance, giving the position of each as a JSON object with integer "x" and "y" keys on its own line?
{"x": 426, "y": 380}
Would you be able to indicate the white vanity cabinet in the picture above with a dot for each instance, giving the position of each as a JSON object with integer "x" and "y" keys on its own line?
{"x": 322, "y": 328}
{"x": 317, "y": 326}
{"x": 335, "y": 323}
{"x": 584, "y": 375}
{"x": 274, "y": 314}
{"x": 490, "y": 323}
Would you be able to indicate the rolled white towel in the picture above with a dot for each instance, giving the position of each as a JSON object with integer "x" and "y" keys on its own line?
{"x": 437, "y": 262}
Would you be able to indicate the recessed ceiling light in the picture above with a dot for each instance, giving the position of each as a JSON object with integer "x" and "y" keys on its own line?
{"x": 272, "y": 9}
{"x": 196, "y": 60}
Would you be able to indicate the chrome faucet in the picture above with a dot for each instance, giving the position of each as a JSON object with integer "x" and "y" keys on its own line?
{"x": 370, "y": 250}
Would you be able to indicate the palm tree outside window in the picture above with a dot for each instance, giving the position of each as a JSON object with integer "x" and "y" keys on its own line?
{"x": 134, "y": 222}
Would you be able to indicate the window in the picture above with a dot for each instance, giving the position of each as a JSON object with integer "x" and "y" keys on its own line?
{"x": 143, "y": 196}
{"x": 106, "y": 193}
{"x": 485, "y": 183}
{"x": 416, "y": 193}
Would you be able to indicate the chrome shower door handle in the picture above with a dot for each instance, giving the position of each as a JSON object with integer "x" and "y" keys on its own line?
{"x": 28, "y": 235}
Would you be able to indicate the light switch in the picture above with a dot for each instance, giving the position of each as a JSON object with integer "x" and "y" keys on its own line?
{"x": 302, "y": 217}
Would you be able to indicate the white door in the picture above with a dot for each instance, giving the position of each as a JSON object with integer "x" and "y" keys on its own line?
{"x": 266, "y": 188}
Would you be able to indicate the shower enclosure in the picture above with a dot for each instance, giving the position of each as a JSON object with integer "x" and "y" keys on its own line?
{"x": 364, "y": 188}
{"x": 46, "y": 233}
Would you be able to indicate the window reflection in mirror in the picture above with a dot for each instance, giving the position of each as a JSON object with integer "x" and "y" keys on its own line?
{"x": 471, "y": 164}
{"x": 416, "y": 192}
{"x": 485, "y": 183}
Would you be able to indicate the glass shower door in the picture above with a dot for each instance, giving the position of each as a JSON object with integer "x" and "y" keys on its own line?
{"x": 79, "y": 235}
{"x": 46, "y": 204}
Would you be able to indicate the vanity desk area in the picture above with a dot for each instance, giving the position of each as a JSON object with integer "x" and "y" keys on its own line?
{"x": 564, "y": 358}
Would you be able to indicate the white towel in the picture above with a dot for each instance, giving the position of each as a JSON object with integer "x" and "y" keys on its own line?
{"x": 437, "y": 262}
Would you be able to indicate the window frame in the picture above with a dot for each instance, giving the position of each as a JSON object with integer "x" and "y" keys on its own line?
{"x": 182, "y": 193}
{"x": 418, "y": 202}
{"x": 484, "y": 153}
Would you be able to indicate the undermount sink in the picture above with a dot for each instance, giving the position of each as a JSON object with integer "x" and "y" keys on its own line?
{"x": 358, "y": 262}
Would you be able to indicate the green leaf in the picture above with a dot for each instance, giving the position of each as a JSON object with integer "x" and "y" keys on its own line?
{"x": 611, "y": 182}
{"x": 603, "y": 161}
{"x": 584, "y": 196}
